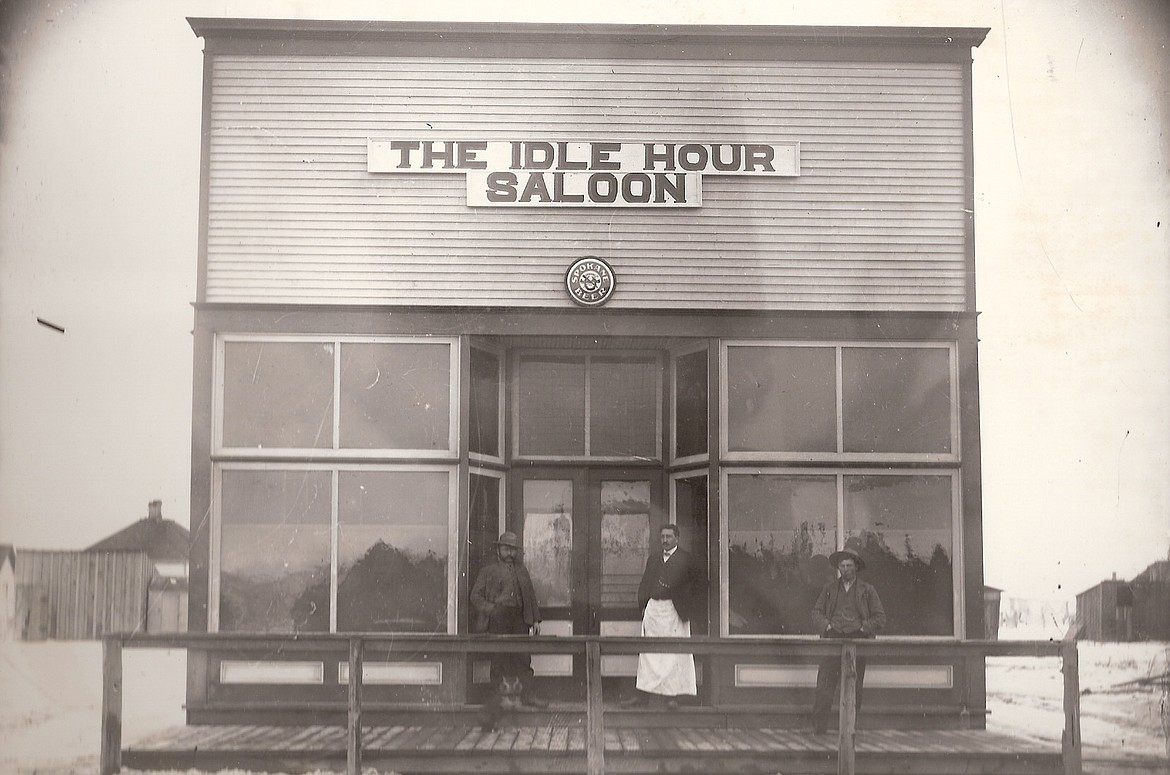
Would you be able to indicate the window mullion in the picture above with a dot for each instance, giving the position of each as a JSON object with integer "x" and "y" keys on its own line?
{"x": 334, "y": 533}
{"x": 840, "y": 386}
{"x": 840, "y": 511}
{"x": 588, "y": 420}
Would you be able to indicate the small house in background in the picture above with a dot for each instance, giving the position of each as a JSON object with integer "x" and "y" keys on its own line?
{"x": 1119, "y": 610}
{"x": 8, "y": 622}
{"x": 166, "y": 544}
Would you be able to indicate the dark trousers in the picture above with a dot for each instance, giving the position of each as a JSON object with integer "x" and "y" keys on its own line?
{"x": 829, "y": 680}
{"x": 510, "y": 621}
{"x": 511, "y": 673}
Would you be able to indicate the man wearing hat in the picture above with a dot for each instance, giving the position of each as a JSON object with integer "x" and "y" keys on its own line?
{"x": 846, "y": 608}
{"x": 504, "y": 602}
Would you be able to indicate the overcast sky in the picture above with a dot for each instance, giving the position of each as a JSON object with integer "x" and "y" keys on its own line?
{"x": 99, "y": 172}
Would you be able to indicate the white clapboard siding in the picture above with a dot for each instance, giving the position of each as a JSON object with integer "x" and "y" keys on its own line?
{"x": 875, "y": 221}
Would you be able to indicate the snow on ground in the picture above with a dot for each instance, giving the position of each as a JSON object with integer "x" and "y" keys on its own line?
{"x": 1121, "y": 717}
{"x": 50, "y": 701}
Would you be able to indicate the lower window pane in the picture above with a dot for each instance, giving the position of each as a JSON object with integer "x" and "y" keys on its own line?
{"x": 781, "y": 531}
{"x": 392, "y": 551}
{"x": 274, "y": 551}
{"x": 901, "y": 526}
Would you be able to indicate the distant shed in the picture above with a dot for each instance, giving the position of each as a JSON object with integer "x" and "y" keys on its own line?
{"x": 166, "y": 543}
{"x": 1118, "y": 610}
{"x": 8, "y": 621}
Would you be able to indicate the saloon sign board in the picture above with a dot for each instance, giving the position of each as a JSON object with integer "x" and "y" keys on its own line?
{"x": 538, "y": 173}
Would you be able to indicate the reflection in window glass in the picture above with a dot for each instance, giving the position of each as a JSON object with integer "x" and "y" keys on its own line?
{"x": 548, "y": 539}
{"x": 690, "y": 404}
{"x": 391, "y": 551}
{"x": 483, "y": 523}
{"x": 278, "y": 394}
{"x": 901, "y": 526}
{"x": 274, "y": 555}
{"x": 623, "y": 408}
{"x": 484, "y": 417}
{"x": 625, "y": 540}
{"x": 896, "y": 399}
{"x": 395, "y": 396}
{"x": 781, "y": 399}
{"x": 551, "y": 406}
{"x": 690, "y": 514}
{"x": 781, "y": 531}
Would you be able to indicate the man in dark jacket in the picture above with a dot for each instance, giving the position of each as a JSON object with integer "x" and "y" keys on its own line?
{"x": 846, "y": 608}
{"x": 504, "y": 603}
{"x": 668, "y": 594}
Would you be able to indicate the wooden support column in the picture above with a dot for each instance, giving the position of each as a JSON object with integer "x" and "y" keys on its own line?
{"x": 111, "y": 753}
{"x": 846, "y": 760}
{"x": 353, "y": 737}
{"x": 594, "y": 713}
{"x": 1070, "y": 738}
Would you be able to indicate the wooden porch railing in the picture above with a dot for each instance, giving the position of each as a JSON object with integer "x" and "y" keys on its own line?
{"x": 592, "y": 647}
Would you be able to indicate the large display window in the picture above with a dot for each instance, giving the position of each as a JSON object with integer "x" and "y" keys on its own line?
{"x": 782, "y": 525}
{"x": 895, "y": 402}
{"x": 373, "y": 398}
{"x": 334, "y": 497}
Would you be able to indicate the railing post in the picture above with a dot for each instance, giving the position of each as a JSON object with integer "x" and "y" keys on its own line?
{"x": 353, "y": 737}
{"x": 846, "y": 761}
{"x": 594, "y": 713}
{"x": 1070, "y": 739}
{"x": 111, "y": 753}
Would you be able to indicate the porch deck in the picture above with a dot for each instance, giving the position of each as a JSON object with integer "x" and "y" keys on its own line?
{"x": 554, "y": 742}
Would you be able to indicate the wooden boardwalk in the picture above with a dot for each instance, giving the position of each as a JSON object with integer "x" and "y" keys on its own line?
{"x": 559, "y": 745}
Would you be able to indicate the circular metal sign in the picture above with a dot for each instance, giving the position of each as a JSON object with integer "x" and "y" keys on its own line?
{"x": 590, "y": 281}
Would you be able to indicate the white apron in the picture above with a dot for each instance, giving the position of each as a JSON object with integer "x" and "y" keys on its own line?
{"x": 667, "y": 674}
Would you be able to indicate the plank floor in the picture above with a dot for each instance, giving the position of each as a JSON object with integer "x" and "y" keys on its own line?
{"x": 557, "y": 746}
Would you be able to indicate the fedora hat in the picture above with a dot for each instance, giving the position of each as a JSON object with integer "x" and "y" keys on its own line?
{"x": 846, "y": 554}
{"x": 508, "y": 539}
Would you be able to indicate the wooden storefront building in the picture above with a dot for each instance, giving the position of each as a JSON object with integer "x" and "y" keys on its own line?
{"x": 580, "y": 282}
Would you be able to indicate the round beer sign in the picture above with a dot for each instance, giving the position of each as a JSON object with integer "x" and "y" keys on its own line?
{"x": 590, "y": 281}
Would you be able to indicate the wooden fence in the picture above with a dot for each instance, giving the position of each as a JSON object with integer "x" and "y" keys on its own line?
{"x": 81, "y": 595}
{"x": 592, "y": 646}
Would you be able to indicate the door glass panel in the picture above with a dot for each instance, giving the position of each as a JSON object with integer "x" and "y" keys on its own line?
{"x": 625, "y": 540}
{"x": 623, "y": 408}
{"x": 548, "y": 539}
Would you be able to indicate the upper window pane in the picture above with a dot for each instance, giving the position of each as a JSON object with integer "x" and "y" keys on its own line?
{"x": 485, "y": 403}
{"x": 902, "y": 527}
{"x": 392, "y": 551}
{"x": 781, "y": 531}
{"x": 274, "y": 556}
{"x": 896, "y": 399}
{"x": 781, "y": 399}
{"x": 690, "y": 404}
{"x": 551, "y": 406}
{"x": 395, "y": 396}
{"x": 278, "y": 394}
{"x": 623, "y": 408}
